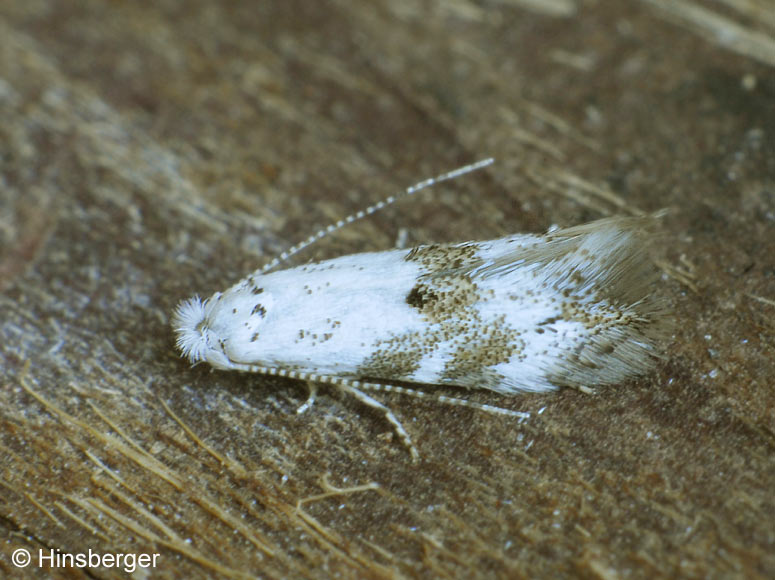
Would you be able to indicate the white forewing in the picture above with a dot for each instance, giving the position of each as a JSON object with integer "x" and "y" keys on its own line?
{"x": 521, "y": 313}
{"x": 320, "y": 318}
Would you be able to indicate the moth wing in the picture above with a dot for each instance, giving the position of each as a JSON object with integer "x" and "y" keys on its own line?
{"x": 610, "y": 255}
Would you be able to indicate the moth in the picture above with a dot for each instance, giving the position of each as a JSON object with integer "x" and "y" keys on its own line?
{"x": 522, "y": 313}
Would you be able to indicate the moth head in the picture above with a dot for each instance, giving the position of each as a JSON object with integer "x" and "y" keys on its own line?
{"x": 196, "y": 339}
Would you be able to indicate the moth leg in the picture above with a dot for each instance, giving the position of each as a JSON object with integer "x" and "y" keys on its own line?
{"x": 388, "y": 388}
{"x": 397, "y": 426}
{"x": 312, "y": 390}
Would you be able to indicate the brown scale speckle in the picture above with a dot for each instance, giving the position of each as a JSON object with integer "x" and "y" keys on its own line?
{"x": 447, "y": 298}
{"x": 395, "y": 358}
{"x": 437, "y": 257}
{"x": 477, "y": 352}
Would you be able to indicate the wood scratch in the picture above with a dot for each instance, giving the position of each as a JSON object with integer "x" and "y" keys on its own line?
{"x": 685, "y": 277}
{"x": 334, "y": 491}
{"x": 762, "y": 299}
{"x": 235, "y": 467}
{"x": 44, "y": 509}
{"x": 718, "y": 29}
{"x": 141, "y": 458}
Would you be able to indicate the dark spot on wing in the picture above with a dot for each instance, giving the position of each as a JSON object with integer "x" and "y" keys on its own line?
{"x": 421, "y": 296}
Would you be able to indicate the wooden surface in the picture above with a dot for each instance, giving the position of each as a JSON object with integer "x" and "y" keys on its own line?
{"x": 153, "y": 150}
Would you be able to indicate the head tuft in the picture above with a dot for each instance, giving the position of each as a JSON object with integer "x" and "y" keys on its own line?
{"x": 187, "y": 322}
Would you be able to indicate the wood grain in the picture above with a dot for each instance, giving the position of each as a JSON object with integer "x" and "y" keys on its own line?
{"x": 152, "y": 150}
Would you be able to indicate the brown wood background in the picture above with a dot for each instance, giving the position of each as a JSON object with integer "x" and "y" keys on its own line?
{"x": 152, "y": 150}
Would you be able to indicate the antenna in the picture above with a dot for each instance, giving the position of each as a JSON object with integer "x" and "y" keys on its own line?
{"x": 372, "y": 209}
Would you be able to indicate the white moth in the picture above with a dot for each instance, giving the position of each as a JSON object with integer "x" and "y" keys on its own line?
{"x": 521, "y": 313}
